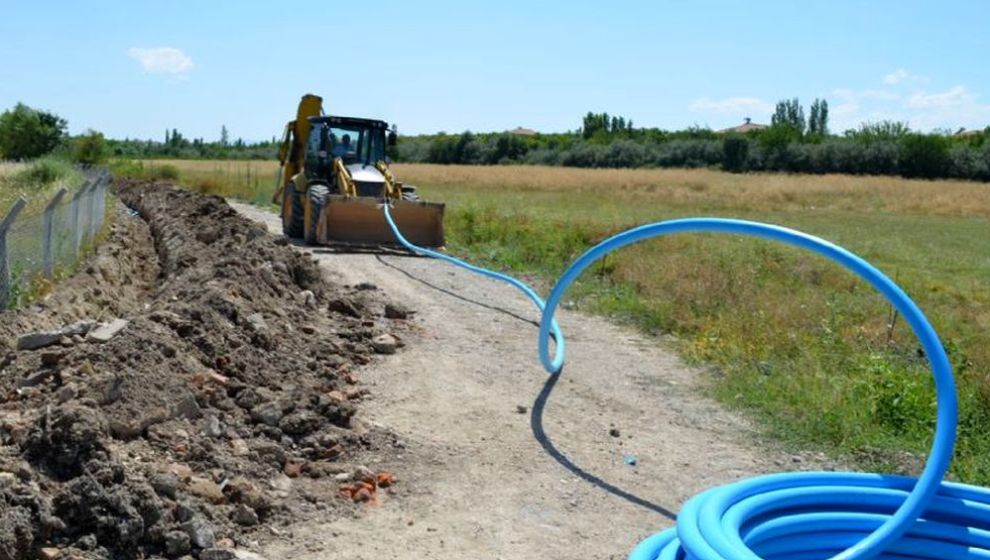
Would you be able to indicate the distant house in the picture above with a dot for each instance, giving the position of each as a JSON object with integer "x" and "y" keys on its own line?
{"x": 963, "y": 132}
{"x": 523, "y": 131}
{"x": 748, "y": 126}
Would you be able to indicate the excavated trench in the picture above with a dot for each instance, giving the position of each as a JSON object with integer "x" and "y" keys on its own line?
{"x": 221, "y": 409}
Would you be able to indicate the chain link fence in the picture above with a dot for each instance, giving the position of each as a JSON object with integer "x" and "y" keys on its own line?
{"x": 40, "y": 243}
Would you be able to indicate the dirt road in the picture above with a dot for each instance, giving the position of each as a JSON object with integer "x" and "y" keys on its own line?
{"x": 490, "y": 470}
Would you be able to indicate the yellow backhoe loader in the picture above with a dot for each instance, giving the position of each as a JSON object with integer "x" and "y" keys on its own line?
{"x": 334, "y": 178}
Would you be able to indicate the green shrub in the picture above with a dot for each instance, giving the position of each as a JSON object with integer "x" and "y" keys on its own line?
{"x": 90, "y": 148}
{"x": 735, "y": 149}
{"x": 129, "y": 168}
{"x": 924, "y": 155}
{"x": 165, "y": 172}
{"x": 44, "y": 172}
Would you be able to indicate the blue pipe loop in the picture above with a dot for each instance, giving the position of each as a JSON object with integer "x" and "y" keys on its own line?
{"x": 814, "y": 515}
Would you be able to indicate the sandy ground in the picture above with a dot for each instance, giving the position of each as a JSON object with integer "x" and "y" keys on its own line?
{"x": 498, "y": 462}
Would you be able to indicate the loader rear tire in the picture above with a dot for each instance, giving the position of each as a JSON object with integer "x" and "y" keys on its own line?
{"x": 316, "y": 201}
{"x": 292, "y": 225}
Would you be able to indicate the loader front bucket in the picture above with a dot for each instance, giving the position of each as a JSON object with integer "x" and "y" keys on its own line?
{"x": 360, "y": 221}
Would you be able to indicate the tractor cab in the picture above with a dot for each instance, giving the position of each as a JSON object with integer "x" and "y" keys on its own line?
{"x": 359, "y": 143}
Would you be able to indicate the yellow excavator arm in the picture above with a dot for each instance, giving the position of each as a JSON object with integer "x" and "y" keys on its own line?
{"x": 292, "y": 152}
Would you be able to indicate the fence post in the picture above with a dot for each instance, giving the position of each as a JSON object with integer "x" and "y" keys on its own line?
{"x": 48, "y": 233}
{"x": 101, "y": 201}
{"x": 76, "y": 230}
{"x": 94, "y": 208}
{"x": 5, "y": 280}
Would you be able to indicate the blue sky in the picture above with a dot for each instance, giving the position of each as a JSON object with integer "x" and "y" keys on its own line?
{"x": 134, "y": 68}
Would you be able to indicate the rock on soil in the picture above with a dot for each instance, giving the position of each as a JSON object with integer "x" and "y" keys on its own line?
{"x": 168, "y": 431}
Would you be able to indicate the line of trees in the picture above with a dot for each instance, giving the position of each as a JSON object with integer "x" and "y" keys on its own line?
{"x": 793, "y": 143}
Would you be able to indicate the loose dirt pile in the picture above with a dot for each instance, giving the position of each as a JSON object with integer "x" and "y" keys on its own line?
{"x": 222, "y": 405}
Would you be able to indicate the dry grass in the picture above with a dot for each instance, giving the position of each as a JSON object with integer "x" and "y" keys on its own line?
{"x": 8, "y": 168}
{"x": 717, "y": 191}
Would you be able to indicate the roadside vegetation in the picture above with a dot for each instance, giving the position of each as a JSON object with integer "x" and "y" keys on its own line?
{"x": 814, "y": 353}
{"x": 35, "y": 181}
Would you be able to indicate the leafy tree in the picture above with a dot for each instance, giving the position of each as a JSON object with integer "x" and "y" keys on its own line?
{"x": 881, "y": 130}
{"x": 224, "y": 136}
{"x": 90, "y": 148}
{"x": 818, "y": 120}
{"x": 27, "y": 133}
{"x": 789, "y": 112}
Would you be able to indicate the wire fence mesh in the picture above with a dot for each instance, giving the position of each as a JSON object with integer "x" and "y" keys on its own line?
{"x": 41, "y": 243}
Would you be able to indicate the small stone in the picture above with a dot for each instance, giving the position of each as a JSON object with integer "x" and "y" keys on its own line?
{"x": 397, "y": 311}
{"x": 344, "y": 306}
{"x": 300, "y": 423}
{"x": 49, "y": 553}
{"x": 183, "y": 472}
{"x": 200, "y": 533}
{"x": 67, "y": 393}
{"x": 188, "y": 408}
{"x": 239, "y": 448}
{"x": 307, "y": 329}
{"x": 363, "y": 474}
{"x": 282, "y": 485}
{"x": 384, "y": 344}
{"x": 244, "y": 492}
{"x": 521, "y": 409}
{"x": 36, "y": 378}
{"x": 257, "y": 323}
{"x": 243, "y": 515}
{"x": 33, "y": 341}
{"x": 51, "y": 359}
{"x": 241, "y": 554}
{"x": 308, "y": 298}
{"x": 206, "y": 489}
{"x": 7, "y": 480}
{"x": 106, "y": 331}
{"x": 165, "y": 484}
{"x": 217, "y": 554}
{"x": 365, "y": 286}
{"x": 267, "y": 413}
{"x": 177, "y": 543}
{"x": 362, "y": 495}
{"x": 292, "y": 469}
{"x": 614, "y": 432}
{"x": 213, "y": 428}
{"x": 87, "y": 542}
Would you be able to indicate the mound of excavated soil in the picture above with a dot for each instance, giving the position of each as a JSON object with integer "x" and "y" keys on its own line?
{"x": 222, "y": 405}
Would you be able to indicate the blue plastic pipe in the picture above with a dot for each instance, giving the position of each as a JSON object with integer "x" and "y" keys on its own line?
{"x": 553, "y": 328}
{"x": 814, "y": 515}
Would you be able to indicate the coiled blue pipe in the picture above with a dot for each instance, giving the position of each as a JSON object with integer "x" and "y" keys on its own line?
{"x": 817, "y": 515}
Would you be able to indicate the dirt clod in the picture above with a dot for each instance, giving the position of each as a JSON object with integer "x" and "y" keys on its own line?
{"x": 180, "y": 419}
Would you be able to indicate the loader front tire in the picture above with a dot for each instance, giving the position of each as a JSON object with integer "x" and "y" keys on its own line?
{"x": 292, "y": 212}
{"x": 316, "y": 201}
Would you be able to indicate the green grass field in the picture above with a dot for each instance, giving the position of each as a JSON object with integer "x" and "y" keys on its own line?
{"x": 797, "y": 342}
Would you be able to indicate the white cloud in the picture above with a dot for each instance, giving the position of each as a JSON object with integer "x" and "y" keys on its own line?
{"x": 922, "y": 110}
{"x": 955, "y": 97}
{"x": 896, "y": 77}
{"x": 733, "y": 105}
{"x": 901, "y": 76}
{"x": 162, "y": 60}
